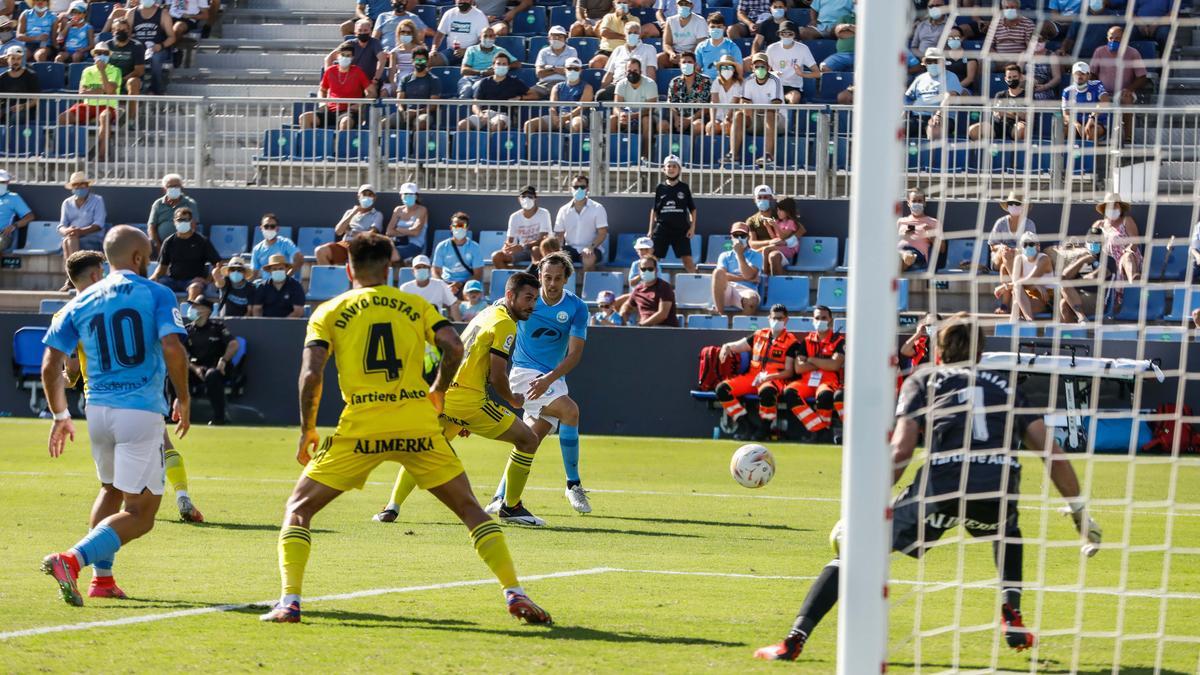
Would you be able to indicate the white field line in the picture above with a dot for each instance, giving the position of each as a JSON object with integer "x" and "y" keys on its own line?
{"x": 214, "y": 609}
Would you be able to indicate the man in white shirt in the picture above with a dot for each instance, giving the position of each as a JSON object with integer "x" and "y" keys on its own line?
{"x": 682, "y": 31}
{"x": 551, "y": 63}
{"x": 527, "y": 227}
{"x": 788, "y": 60}
{"x": 633, "y": 49}
{"x": 761, "y": 87}
{"x": 436, "y": 291}
{"x": 581, "y": 226}
{"x": 460, "y": 29}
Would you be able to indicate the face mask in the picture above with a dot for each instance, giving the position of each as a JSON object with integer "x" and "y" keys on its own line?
{"x": 80, "y": 192}
{"x": 344, "y": 61}
{"x": 270, "y": 235}
{"x": 953, "y": 43}
{"x": 687, "y": 68}
{"x": 405, "y": 38}
{"x": 236, "y": 277}
{"x": 1010, "y": 14}
{"x": 501, "y": 70}
{"x": 459, "y": 233}
{"x": 526, "y": 203}
{"x": 101, "y": 58}
{"x": 1014, "y": 210}
{"x": 776, "y": 326}
{"x": 183, "y": 226}
{"x": 763, "y": 204}
{"x": 622, "y": 8}
{"x": 121, "y": 35}
{"x": 1112, "y": 213}
{"x": 787, "y": 41}
{"x": 778, "y": 13}
{"x": 557, "y": 45}
{"x": 398, "y": 6}
{"x": 363, "y": 37}
{"x": 917, "y": 208}
{"x": 739, "y": 238}
{"x": 191, "y": 313}
{"x": 716, "y": 33}
{"x": 648, "y": 276}
{"x": 464, "y": 7}
{"x": 41, "y": 10}
{"x": 572, "y": 76}
{"x": 174, "y": 192}
{"x": 632, "y": 39}
{"x": 487, "y": 43}
{"x": 3, "y": 188}
{"x": 1013, "y": 84}
{"x": 936, "y": 13}
{"x": 420, "y": 65}
{"x": 1096, "y": 5}
{"x": 933, "y": 69}
{"x": 1094, "y": 247}
{"x": 821, "y": 325}
{"x": 409, "y": 199}
{"x": 633, "y": 76}
{"x": 760, "y": 73}
{"x": 278, "y": 275}
{"x": 366, "y": 202}
{"x": 1031, "y": 251}
{"x": 421, "y": 274}
{"x": 726, "y": 73}
{"x": 1114, "y": 45}
{"x": 579, "y": 193}
{"x": 685, "y": 12}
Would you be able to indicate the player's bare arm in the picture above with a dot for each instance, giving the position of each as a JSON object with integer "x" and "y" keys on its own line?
{"x": 56, "y": 398}
{"x": 176, "y": 357}
{"x": 312, "y": 379}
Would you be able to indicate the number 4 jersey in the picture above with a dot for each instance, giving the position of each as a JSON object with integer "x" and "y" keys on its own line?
{"x": 118, "y": 324}
{"x": 377, "y": 336}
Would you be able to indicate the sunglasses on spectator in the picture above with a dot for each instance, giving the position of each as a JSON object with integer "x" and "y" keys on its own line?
{"x": 605, "y": 306}
{"x": 740, "y": 236}
{"x": 270, "y": 226}
{"x": 575, "y": 70}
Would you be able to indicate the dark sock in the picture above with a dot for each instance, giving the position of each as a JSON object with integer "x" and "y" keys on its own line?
{"x": 573, "y": 483}
{"x": 1012, "y": 572}
{"x": 820, "y": 599}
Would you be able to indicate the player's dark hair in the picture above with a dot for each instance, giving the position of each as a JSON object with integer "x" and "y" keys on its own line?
{"x": 81, "y": 261}
{"x": 687, "y": 55}
{"x": 960, "y": 340}
{"x": 778, "y": 307}
{"x": 460, "y": 215}
{"x": 370, "y": 254}
{"x": 648, "y": 258}
{"x": 420, "y": 51}
{"x": 823, "y": 308}
{"x": 558, "y": 258}
{"x": 1013, "y": 67}
{"x": 520, "y": 280}
{"x": 584, "y": 178}
{"x": 716, "y": 19}
{"x": 268, "y": 216}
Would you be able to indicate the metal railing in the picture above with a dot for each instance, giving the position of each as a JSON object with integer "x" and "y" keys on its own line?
{"x": 498, "y": 147}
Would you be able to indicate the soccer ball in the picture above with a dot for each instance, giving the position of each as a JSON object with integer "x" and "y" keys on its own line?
{"x": 752, "y": 466}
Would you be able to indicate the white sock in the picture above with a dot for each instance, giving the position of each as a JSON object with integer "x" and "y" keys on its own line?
{"x": 180, "y": 494}
{"x": 97, "y": 572}
{"x": 289, "y": 599}
{"x": 392, "y": 507}
{"x": 514, "y": 589}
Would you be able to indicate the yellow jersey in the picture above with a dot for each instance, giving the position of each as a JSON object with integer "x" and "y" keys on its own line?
{"x": 377, "y": 336}
{"x": 82, "y": 364}
{"x": 492, "y": 331}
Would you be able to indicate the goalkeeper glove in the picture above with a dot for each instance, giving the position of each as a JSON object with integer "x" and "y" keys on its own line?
{"x": 1084, "y": 525}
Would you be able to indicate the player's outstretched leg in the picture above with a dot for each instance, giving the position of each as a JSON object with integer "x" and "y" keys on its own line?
{"x": 491, "y": 546}
{"x": 820, "y": 599}
{"x": 178, "y": 478}
{"x": 295, "y": 543}
{"x": 104, "y": 585}
{"x": 405, "y": 484}
{"x": 1010, "y": 556}
{"x": 516, "y": 474}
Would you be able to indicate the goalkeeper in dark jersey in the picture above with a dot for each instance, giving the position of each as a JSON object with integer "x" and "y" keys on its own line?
{"x": 972, "y": 476}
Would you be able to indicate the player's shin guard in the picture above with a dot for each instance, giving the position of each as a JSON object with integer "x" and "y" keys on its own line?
{"x": 100, "y": 544}
{"x": 568, "y": 442}
{"x": 295, "y": 542}
{"x": 405, "y": 484}
{"x": 176, "y": 473}
{"x": 493, "y": 550}
{"x": 516, "y": 474}
{"x": 820, "y": 599}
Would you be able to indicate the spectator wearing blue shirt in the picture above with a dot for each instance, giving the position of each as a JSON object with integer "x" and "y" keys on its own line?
{"x": 274, "y": 244}
{"x": 607, "y": 316}
{"x": 1149, "y": 9}
{"x": 458, "y": 259}
{"x": 474, "y": 303}
{"x": 387, "y": 23}
{"x": 277, "y": 294}
{"x": 1081, "y": 101}
{"x": 826, "y": 14}
{"x": 735, "y": 279}
{"x": 499, "y": 87}
{"x": 369, "y": 10}
{"x": 931, "y": 89}
{"x": 81, "y": 222}
{"x": 477, "y": 62}
{"x": 709, "y": 51}
{"x": 367, "y": 52}
{"x": 14, "y": 212}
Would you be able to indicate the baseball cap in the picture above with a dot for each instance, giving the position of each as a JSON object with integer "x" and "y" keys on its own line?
{"x": 739, "y": 226}
{"x": 1080, "y": 67}
{"x": 473, "y": 285}
{"x": 15, "y": 49}
{"x": 760, "y": 56}
{"x": 78, "y": 6}
{"x": 406, "y": 189}
{"x": 672, "y": 159}
{"x": 605, "y": 297}
{"x": 573, "y": 63}
{"x": 557, "y": 30}
{"x": 528, "y": 190}
{"x": 786, "y": 27}
{"x": 5, "y": 177}
{"x": 643, "y": 242}
{"x": 421, "y": 261}
{"x": 762, "y": 190}
{"x": 365, "y": 187}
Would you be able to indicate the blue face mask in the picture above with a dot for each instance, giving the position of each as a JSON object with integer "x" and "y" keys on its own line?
{"x": 366, "y": 202}
{"x": 409, "y": 199}
{"x": 716, "y": 33}
{"x": 821, "y": 325}
{"x": 421, "y": 274}
{"x": 685, "y": 12}
{"x": 1094, "y": 247}
{"x": 778, "y": 13}
{"x": 580, "y": 194}
{"x": 633, "y": 39}
{"x": 648, "y": 276}
{"x": 1031, "y": 251}
{"x": 763, "y": 204}
{"x": 80, "y": 192}
{"x": 236, "y": 277}
{"x": 1096, "y": 5}
{"x": 933, "y": 69}
{"x": 191, "y": 313}
{"x": 1114, "y": 45}
{"x": 278, "y": 275}
{"x": 953, "y": 43}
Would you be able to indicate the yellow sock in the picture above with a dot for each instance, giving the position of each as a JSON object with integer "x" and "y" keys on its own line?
{"x": 176, "y": 473}
{"x": 405, "y": 484}
{"x": 491, "y": 547}
{"x": 516, "y": 474}
{"x": 294, "y": 544}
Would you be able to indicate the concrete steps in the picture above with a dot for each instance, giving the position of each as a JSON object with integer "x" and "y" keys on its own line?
{"x": 294, "y": 32}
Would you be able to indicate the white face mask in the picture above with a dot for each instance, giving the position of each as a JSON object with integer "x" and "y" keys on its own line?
{"x": 344, "y": 61}
{"x": 459, "y": 233}
{"x": 1112, "y": 212}
{"x": 174, "y": 192}
{"x": 1015, "y": 210}
{"x": 917, "y": 208}
{"x": 405, "y": 39}
{"x": 421, "y": 274}
{"x": 557, "y": 45}
{"x": 821, "y": 325}
{"x": 776, "y": 326}
{"x": 3, "y": 188}
{"x": 687, "y": 68}
{"x": 278, "y": 275}
{"x": 527, "y": 203}
{"x": 270, "y": 235}
{"x": 487, "y": 43}
{"x": 183, "y": 226}
{"x": 726, "y": 73}
{"x": 1010, "y": 14}
{"x": 572, "y": 76}
{"x": 787, "y": 41}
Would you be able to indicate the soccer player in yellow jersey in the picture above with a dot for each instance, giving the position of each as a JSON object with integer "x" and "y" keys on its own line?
{"x": 377, "y": 336}
{"x": 488, "y": 342}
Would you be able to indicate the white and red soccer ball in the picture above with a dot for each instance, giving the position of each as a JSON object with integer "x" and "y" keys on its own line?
{"x": 752, "y": 466}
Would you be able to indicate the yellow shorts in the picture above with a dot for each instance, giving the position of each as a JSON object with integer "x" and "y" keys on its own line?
{"x": 475, "y": 412}
{"x": 344, "y": 462}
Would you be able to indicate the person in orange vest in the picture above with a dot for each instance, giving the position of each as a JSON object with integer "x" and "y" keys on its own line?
{"x": 773, "y": 352}
{"x": 818, "y": 370}
{"x": 916, "y": 350}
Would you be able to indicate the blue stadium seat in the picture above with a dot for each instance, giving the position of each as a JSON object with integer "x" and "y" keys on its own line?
{"x": 1131, "y": 305}
{"x": 594, "y": 282}
{"x": 707, "y": 321}
{"x": 41, "y": 238}
{"x": 800, "y": 325}
{"x": 902, "y": 295}
{"x": 564, "y": 16}
{"x": 817, "y": 254}
{"x": 1184, "y": 301}
{"x": 312, "y": 237}
{"x": 831, "y": 292}
{"x": 1084, "y": 154}
{"x": 513, "y": 44}
{"x": 505, "y": 147}
{"x": 579, "y": 150}
{"x": 839, "y": 325}
{"x": 431, "y": 146}
{"x": 70, "y": 141}
{"x": 624, "y": 149}
{"x": 717, "y": 244}
{"x": 593, "y": 76}
{"x": 395, "y": 146}
{"x": 50, "y": 305}
{"x": 527, "y": 75}
{"x": 284, "y": 231}
{"x": 27, "y": 141}
{"x": 51, "y": 76}
{"x": 623, "y": 253}
{"x": 693, "y": 291}
{"x": 533, "y": 21}
{"x": 491, "y": 241}
{"x": 327, "y": 281}
{"x": 663, "y": 78}
{"x": 704, "y": 152}
{"x": 1023, "y": 330}
{"x": 1119, "y": 333}
{"x": 960, "y": 252}
{"x": 791, "y": 292}
{"x": 585, "y": 47}
{"x": 545, "y": 148}
{"x": 74, "y": 75}
{"x": 98, "y": 14}
{"x": 844, "y": 268}
{"x": 1068, "y": 332}
{"x": 671, "y": 260}
{"x": 1167, "y": 264}
{"x": 277, "y": 144}
{"x": 534, "y": 46}
{"x": 496, "y": 283}
{"x": 428, "y": 14}
{"x": 352, "y": 146}
{"x": 229, "y": 240}
{"x": 749, "y": 323}
{"x": 469, "y": 147}
{"x": 313, "y": 145}
{"x": 1164, "y": 334}
{"x": 27, "y": 350}
{"x": 448, "y": 76}
{"x": 833, "y": 84}
{"x": 821, "y": 49}
{"x": 403, "y": 275}
{"x": 727, "y": 12}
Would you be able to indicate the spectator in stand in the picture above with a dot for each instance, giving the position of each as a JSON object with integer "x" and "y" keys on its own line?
{"x": 788, "y": 228}
{"x": 1007, "y": 231}
{"x": 344, "y": 80}
{"x": 842, "y": 60}
{"x": 611, "y": 31}
{"x": 14, "y": 212}
{"x": 160, "y": 223}
{"x": 928, "y": 31}
{"x": 437, "y": 292}
{"x": 1010, "y": 121}
{"x": 18, "y": 80}
{"x": 211, "y": 348}
{"x": 652, "y": 298}
{"x": 82, "y": 219}
{"x": 689, "y": 86}
{"x": 527, "y": 227}
{"x": 460, "y": 28}
{"x": 76, "y": 36}
{"x": 188, "y": 15}
{"x": 1194, "y": 251}
{"x": 417, "y": 85}
{"x": 37, "y": 27}
{"x": 917, "y": 350}
{"x": 8, "y": 30}
{"x": 791, "y": 62}
{"x": 129, "y": 56}
{"x": 362, "y": 217}
{"x": 727, "y": 92}
{"x": 635, "y": 88}
{"x": 644, "y": 248}
{"x": 1064, "y": 18}
{"x": 606, "y": 314}
{"x": 827, "y": 15}
{"x": 274, "y": 243}
{"x": 459, "y": 258}
{"x": 407, "y": 226}
{"x": 918, "y": 233}
{"x": 500, "y": 15}
{"x": 103, "y": 78}
{"x": 717, "y": 47}
{"x": 818, "y": 372}
{"x": 1147, "y": 11}
{"x": 1081, "y": 102}
{"x": 1026, "y": 292}
{"x": 387, "y": 26}
{"x": 399, "y": 56}
{"x": 761, "y": 226}
{"x": 965, "y": 68}
{"x": 683, "y": 31}
{"x": 366, "y": 52}
{"x": 930, "y": 92}
{"x": 617, "y": 67}
{"x": 1121, "y": 236}
{"x": 550, "y": 65}
{"x": 1120, "y": 68}
{"x": 773, "y": 352}
{"x": 766, "y": 31}
{"x": 152, "y": 26}
{"x": 673, "y": 216}
{"x": 1011, "y": 33}
{"x": 368, "y": 10}
{"x": 735, "y": 279}
{"x": 1087, "y": 265}
{"x": 749, "y": 14}
{"x": 1047, "y": 73}
{"x": 763, "y": 88}
{"x": 235, "y": 290}
{"x": 588, "y": 15}
{"x": 473, "y": 302}
{"x": 565, "y": 117}
{"x": 277, "y": 295}
{"x": 183, "y": 262}
{"x": 581, "y": 226}
{"x": 477, "y": 62}
{"x": 500, "y": 86}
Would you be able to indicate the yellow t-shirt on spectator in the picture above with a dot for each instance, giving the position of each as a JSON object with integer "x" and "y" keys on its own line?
{"x": 616, "y": 24}
{"x": 91, "y": 78}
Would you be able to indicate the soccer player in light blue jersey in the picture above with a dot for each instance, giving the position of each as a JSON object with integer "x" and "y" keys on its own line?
{"x": 549, "y": 345}
{"x": 128, "y": 329}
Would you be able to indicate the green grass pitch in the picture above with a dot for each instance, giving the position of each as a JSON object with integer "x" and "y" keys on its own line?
{"x": 698, "y": 572}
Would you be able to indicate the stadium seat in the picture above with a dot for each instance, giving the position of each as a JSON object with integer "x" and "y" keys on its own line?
{"x": 1164, "y": 334}
{"x": 545, "y": 148}
{"x": 707, "y": 321}
{"x": 74, "y": 75}
{"x": 284, "y": 231}
{"x": 1069, "y": 332}
{"x": 27, "y": 351}
{"x": 468, "y": 147}
{"x": 565, "y": 16}
{"x": 1184, "y": 301}
{"x": 839, "y": 325}
{"x": 594, "y": 282}
{"x": 229, "y": 240}
{"x": 395, "y": 146}
{"x": 817, "y": 254}
{"x": 624, "y": 149}
{"x": 585, "y": 47}
{"x": 29, "y": 141}
{"x": 527, "y": 75}
{"x": 312, "y": 237}
{"x": 800, "y": 325}
{"x": 1119, "y": 333}
{"x": 403, "y": 275}
{"x": 579, "y": 150}
{"x": 592, "y": 76}
{"x": 513, "y": 44}
{"x": 70, "y": 142}
{"x": 41, "y": 238}
{"x": 902, "y": 295}
{"x": 51, "y": 76}
{"x": 663, "y": 79}
{"x": 833, "y": 84}
{"x": 704, "y": 151}
{"x": 534, "y": 46}
{"x": 491, "y": 241}
{"x": 277, "y": 144}
{"x": 831, "y": 292}
{"x": 791, "y": 292}
{"x": 448, "y": 76}
{"x": 327, "y": 281}
{"x": 505, "y": 147}
{"x": 98, "y": 14}
{"x": 749, "y": 323}
{"x": 1023, "y": 330}
{"x": 623, "y": 253}
{"x": 672, "y": 261}
{"x": 1165, "y": 264}
{"x": 352, "y": 146}
{"x": 1131, "y": 305}
{"x": 727, "y": 12}
{"x": 50, "y": 305}
{"x": 431, "y": 146}
{"x": 959, "y": 253}
{"x": 533, "y": 21}
{"x": 428, "y": 14}
{"x": 496, "y": 283}
{"x": 693, "y": 291}
{"x": 717, "y": 244}
{"x": 313, "y": 145}
{"x": 821, "y": 49}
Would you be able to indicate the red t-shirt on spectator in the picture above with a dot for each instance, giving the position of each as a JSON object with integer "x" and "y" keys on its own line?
{"x": 646, "y": 299}
{"x": 351, "y": 84}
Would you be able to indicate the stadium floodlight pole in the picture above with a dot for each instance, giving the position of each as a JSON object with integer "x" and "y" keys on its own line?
{"x": 871, "y": 334}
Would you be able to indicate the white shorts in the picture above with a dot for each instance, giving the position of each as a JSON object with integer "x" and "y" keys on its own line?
{"x": 735, "y": 293}
{"x": 477, "y": 121}
{"x": 127, "y": 446}
{"x": 518, "y": 381}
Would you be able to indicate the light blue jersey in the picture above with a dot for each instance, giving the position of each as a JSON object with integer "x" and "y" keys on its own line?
{"x": 542, "y": 338}
{"x": 119, "y": 324}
